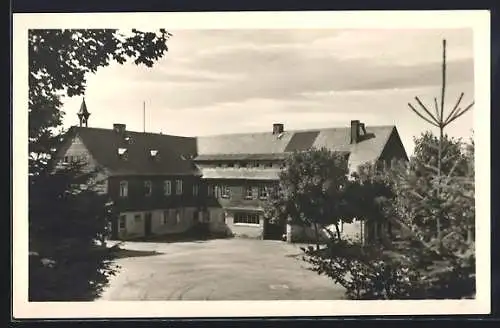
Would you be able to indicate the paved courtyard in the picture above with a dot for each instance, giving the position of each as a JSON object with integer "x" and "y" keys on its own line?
{"x": 224, "y": 269}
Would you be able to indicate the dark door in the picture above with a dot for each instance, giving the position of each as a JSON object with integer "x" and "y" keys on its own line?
{"x": 114, "y": 227}
{"x": 274, "y": 231}
{"x": 147, "y": 224}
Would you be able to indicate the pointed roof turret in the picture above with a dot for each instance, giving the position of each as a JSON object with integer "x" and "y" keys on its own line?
{"x": 83, "y": 113}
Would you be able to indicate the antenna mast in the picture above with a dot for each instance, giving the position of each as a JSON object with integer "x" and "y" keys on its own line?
{"x": 144, "y": 116}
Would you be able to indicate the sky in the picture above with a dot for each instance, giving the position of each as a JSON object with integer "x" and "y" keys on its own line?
{"x": 230, "y": 81}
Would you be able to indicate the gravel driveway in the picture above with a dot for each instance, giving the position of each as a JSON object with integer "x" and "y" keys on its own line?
{"x": 224, "y": 269}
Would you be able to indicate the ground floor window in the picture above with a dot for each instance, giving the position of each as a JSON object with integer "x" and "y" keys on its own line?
{"x": 122, "y": 222}
{"x": 248, "y": 218}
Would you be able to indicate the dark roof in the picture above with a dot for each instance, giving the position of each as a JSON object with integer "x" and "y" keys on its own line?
{"x": 266, "y": 145}
{"x": 176, "y": 154}
{"x": 240, "y": 157}
{"x": 173, "y": 158}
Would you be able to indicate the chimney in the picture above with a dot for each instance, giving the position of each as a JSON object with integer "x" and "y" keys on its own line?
{"x": 362, "y": 128}
{"x": 355, "y": 124}
{"x": 278, "y": 128}
{"x": 119, "y": 128}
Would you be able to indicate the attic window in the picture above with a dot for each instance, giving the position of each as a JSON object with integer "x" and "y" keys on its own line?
{"x": 128, "y": 139}
{"x": 122, "y": 152}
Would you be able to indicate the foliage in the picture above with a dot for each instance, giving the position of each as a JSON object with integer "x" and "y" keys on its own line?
{"x": 433, "y": 207}
{"x": 67, "y": 220}
{"x": 59, "y": 62}
{"x": 425, "y": 156}
{"x": 311, "y": 190}
{"x": 367, "y": 273}
{"x": 68, "y": 224}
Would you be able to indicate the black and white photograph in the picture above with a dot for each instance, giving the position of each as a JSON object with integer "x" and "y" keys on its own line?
{"x": 251, "y": 164}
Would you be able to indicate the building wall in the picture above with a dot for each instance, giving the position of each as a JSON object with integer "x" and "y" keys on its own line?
{"x": 237, "y": 195}
{"x": 75, "y": 150}
{"x": 135, "y": 228}
{"x": 217, "y": 221}
{"x": 136, "y": 198}
{"x": 353, "y": 231}
{"x": 254, "y": 231}
{"x": 393, "y": 149}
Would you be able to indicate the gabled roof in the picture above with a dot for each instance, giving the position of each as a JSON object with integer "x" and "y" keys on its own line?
{"x": 176, "y": 154}
{"x": 173, "y": 157}
{"x": 265, "y": 145}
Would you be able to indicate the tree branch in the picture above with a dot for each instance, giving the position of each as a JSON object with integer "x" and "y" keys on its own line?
{"x": 436, "y": 107}
{"x": 458, "y": 114}
{"x": 454, "y": 108}
{"x": 421, "y": 116}
{"x": 437, "y": 120}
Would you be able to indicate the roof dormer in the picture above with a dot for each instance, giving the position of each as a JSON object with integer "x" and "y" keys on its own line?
{"x": 122, "y": 153}
{"x": 154, "y": 154}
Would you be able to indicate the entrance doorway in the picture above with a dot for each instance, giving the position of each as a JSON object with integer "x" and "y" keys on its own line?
{"x": 274, "y": 231}
{"x": 147, "y": 224}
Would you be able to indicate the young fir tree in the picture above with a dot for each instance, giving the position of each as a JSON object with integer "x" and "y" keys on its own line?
{"x": 433, "y": 206}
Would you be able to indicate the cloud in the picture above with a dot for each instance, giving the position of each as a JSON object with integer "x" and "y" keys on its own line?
{"x": 243, "y": 80}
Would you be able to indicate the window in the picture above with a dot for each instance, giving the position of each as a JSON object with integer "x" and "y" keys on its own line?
{"x": 122, "y": 153}
{"x": 167, "y": 187}
{"x": 148, "y": 188}
{"x": 268, "y": 165}
{"x": 246, "y": 218}
{"x": 123, "y": 221}
{"x": 123, "y": 188}
{"x": 178, "y": 187}
{"x": 195, "y": 189}
{"x": 66, "y": 159}
{"x": 263, "y": 192}
{"x": 137, "y": 218}
{"x": 248, "y": 192}
{"x": 210, "y": 190}
{"x": 225, "y": 192}
{"x": 164, "y": 218}
{"x": 177, "y": 217}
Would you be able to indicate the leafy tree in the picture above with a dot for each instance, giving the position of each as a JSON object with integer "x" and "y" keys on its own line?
{"x": 311, "y": 188}
{"x": 59, "y": 62}
{"x": 66, "y": 219}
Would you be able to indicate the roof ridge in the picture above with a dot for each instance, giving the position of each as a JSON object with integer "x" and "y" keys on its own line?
{"x": 291, "y": 131}
{"x": 130, "y": 131}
